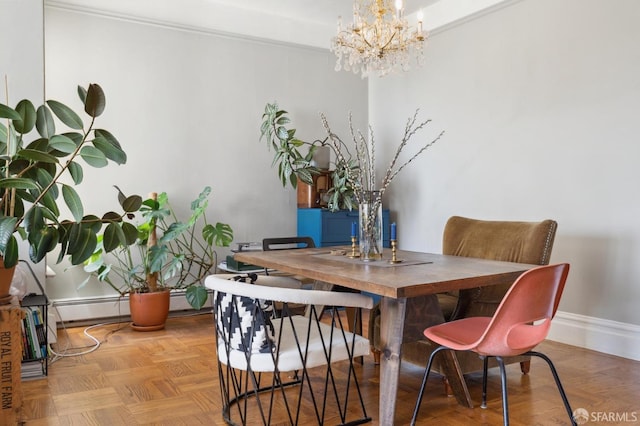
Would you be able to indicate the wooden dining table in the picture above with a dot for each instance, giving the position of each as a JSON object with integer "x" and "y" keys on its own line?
{"x": 418, "y": 274}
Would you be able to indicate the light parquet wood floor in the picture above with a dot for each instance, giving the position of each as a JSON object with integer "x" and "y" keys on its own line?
{"x": 169, "y": 377}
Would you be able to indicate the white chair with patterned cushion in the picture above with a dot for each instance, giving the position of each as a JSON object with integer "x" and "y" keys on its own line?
{"x": 276, "y": 367}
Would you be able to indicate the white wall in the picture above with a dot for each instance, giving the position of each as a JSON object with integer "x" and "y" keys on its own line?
{"x": 539, "y": 101}
{"x": 186, "y": 105}
{"x": 22, "y": 73}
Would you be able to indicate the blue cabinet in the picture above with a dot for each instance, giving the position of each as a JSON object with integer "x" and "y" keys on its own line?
{"x": 334, "y": 229}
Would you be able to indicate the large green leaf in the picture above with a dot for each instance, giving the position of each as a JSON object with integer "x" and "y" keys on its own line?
{"x": 113, "y": 237}
{"x": 76, "y": 137}
{"x": 84, "y": 246}
{"x": 110, "y": 151}
{"x": 157, "y": 257}
{"x": 75, "y": 170}
{"x": 44, "y": 178}
{"x": 93, "y": 156}
{"x": 82, "y": 94}
{"x": 7, "y": 227}
{"x": 44, "y": 122}
{"x": 111, "y": 217}
{"x": 46, "y": 241}
{"x": 174, "y": 231}
{"x": 95, "y": 101}
{"x": 33, "y": 155}
{"x": 40, "y": 144}
{"x": 8, "y": 112}
{"x": 66, "y": 114}
{"x": 20, "y": 183}
{"x": 11, "y": 252}
{"x": 62, "y": 143}
{"x": 3, "y": 137}
{"x": 92, "y": 222}
{"x": 34, "y": 222}
{"x": 221, "y": 234}
{"x": 49, "y": 202}
{"x": 130, "y": 233}
{"x": 81, "y": 237}
{"x": 72, "y": 199}
{"x": 13, "y": 142}
{"x": 132, "y": 203}
{"x": 196, "y": 295}
{"x": 27, "y": 117}
{"x": 108, "y": 136}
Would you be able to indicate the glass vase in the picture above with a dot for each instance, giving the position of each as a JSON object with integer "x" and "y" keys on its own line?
{"x": 371, "y": 226}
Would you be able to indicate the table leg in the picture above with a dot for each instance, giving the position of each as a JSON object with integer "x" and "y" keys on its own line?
{"x": 453, "y": 373}
{"x": 391, "y": 331}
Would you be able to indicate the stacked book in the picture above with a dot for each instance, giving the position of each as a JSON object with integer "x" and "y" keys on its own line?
{"x": 233, "y": 265}
{"x": 34, "y": 341}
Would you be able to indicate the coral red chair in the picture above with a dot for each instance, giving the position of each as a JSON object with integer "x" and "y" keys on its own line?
{"x": 519, "y": 324}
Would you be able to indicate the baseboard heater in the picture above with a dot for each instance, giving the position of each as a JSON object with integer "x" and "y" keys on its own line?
{"x": 96, "y": 309}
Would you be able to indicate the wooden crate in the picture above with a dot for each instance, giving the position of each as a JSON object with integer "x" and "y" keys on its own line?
{"x": 10, "y": 362}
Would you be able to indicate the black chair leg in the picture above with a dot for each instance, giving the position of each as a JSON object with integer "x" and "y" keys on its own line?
{"x": 424, "y": 383}
{"x": 505, "y": 402}
{"x": 485, "y": 367}
{"x": 567, "y": 406}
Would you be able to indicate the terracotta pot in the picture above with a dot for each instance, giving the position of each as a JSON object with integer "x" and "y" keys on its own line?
{"x": 149, "y": 311}
{"x": 6, "y": 275}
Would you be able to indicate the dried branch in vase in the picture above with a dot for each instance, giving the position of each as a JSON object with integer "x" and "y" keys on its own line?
{"x": 363, "y": 178}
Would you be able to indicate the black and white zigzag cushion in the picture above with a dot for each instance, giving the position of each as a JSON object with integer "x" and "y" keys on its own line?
{"x": 245, "y": 321}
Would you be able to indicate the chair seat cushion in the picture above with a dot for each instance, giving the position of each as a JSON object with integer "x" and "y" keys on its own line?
{"x": 289, "y": 358}
{"x": 458, "y": 335}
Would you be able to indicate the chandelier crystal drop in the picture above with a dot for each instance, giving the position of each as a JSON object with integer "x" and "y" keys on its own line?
{"x": 379, "y": 40}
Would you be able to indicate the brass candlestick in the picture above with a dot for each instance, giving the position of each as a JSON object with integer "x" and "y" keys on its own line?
{"x": 394, "y": 250}
{"x": 353, "y": 254}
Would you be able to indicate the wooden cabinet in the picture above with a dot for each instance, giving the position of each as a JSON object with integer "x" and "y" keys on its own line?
{"x": 334, "y": 228}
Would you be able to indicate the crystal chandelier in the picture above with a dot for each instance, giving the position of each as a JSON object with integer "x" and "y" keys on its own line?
{"x": 379, "y": 40}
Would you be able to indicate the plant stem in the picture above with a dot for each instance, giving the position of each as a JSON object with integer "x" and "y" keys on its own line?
{"x": 152, "y": 277}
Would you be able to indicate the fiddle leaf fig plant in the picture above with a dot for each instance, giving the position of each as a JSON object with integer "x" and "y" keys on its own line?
{"x": 36, "y": 174}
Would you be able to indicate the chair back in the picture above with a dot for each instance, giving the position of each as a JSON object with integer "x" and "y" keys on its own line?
{"x": 507, "y": 241}
{"x": 264, "y": 347}
{"x": 524, "y": 316}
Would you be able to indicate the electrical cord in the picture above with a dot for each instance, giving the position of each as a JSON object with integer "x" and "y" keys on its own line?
{"x": 96, "y": 342}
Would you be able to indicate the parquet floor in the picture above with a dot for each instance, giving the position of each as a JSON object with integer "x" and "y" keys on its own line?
{"x": 169, "y": 377}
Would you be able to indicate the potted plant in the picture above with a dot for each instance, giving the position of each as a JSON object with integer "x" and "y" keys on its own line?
{"x": 294, "y": 165}
{"x": 354, "y": 180}
{"x": 168, "y": 254}
{"x": 33, "y": 176}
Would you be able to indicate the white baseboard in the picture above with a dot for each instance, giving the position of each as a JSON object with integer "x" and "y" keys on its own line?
{"x": 91, "y": 309}
{"x": 611, "y": 337}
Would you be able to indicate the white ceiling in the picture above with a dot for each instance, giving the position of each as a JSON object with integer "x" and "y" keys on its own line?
{"x": 305, "y": 22}
{"x": 324, "y": 11}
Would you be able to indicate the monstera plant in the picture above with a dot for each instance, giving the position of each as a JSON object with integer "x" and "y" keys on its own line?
{"x": 170, "y": 253}
{"x": 43, "y": 152}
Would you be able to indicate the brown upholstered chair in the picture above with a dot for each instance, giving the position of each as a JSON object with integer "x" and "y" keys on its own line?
{"x": 522, "y": 242}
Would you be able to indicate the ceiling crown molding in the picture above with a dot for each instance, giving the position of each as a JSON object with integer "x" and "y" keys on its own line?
{"x": 210, "y": 16}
